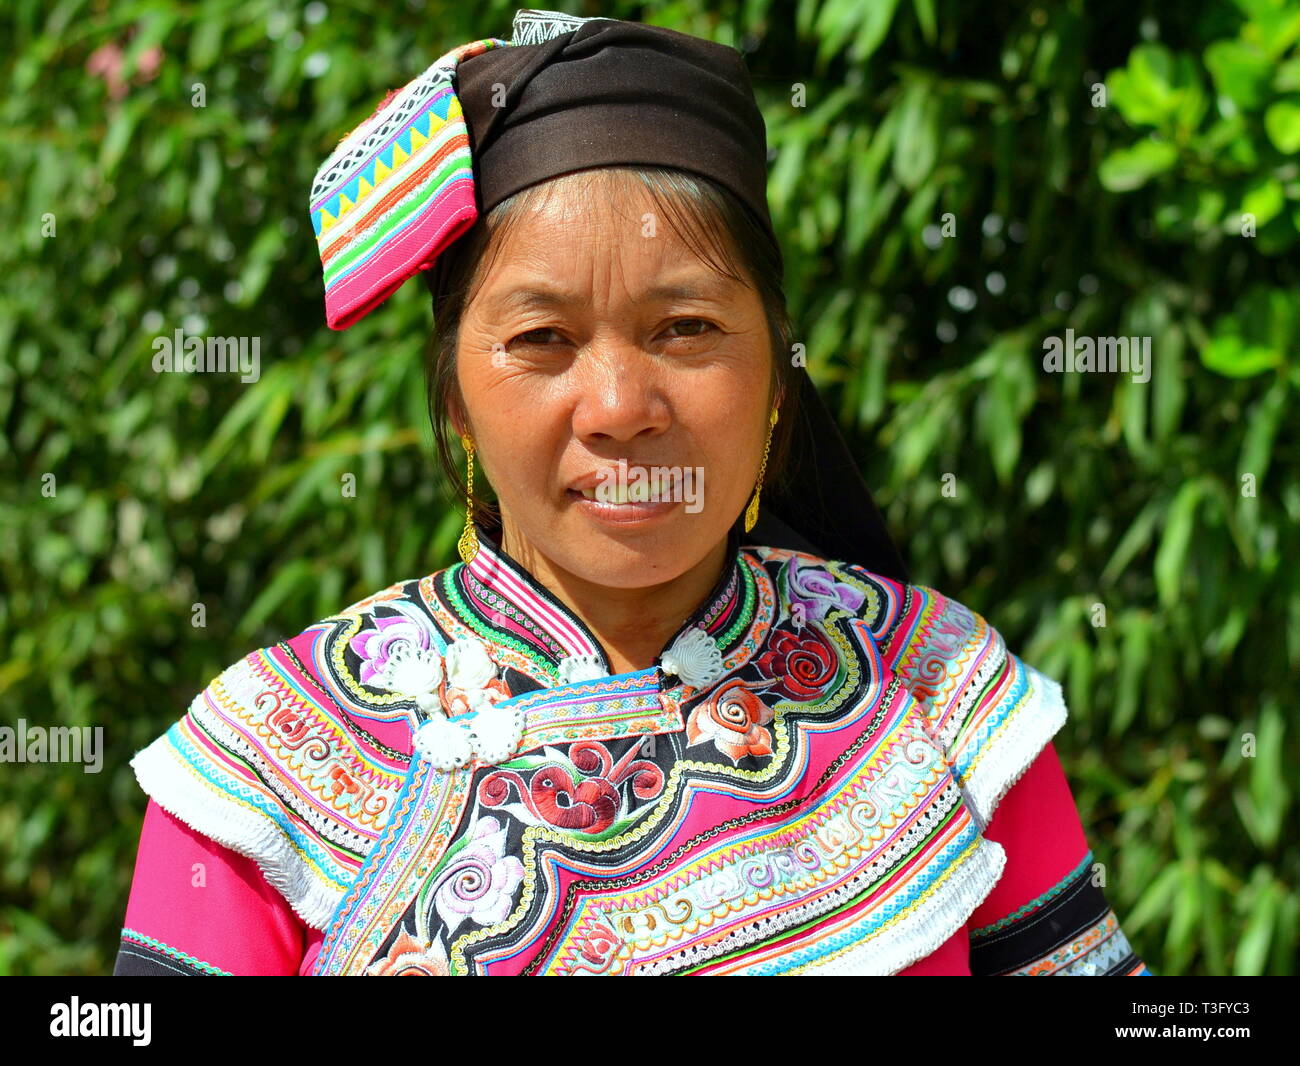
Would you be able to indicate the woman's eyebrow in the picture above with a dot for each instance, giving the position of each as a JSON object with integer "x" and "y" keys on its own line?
{"x": 547, "y": 297}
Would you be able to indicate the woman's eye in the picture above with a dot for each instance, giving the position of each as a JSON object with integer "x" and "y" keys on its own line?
{"x": 696, "y": 327}
{"x": 535, "y": 336}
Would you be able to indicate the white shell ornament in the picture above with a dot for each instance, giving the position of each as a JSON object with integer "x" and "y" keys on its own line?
{"x": 694, "y": 657}
{"x": 412, "y": 671}
{"x": 444, "y": 743}
{"x": 469, "y": 666}
{"x": 580, "y": 668}
{"x": 497, "y": 732}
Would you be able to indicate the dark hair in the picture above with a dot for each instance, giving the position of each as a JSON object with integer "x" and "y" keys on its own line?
{"x": 693, "y": 205}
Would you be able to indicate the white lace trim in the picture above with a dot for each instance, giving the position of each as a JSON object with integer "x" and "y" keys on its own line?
{"x": 172, "y": 784}
{"x": 1019, "y": 743}
{"x": 928, "y": 927}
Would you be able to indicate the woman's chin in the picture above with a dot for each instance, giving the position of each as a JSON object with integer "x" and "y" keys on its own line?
{"x": 626, "y": 550}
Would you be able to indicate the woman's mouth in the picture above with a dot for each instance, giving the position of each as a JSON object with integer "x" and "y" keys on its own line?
{"x": 618, "y": 502}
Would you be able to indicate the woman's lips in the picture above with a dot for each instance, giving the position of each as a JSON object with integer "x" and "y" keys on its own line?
{"x": 620, "y": 513}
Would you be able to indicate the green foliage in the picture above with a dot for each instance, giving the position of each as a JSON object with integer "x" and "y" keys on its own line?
{"x": 952, "y": 193}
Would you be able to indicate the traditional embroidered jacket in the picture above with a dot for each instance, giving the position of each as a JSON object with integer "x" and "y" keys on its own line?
{"x": 825, "y": 772}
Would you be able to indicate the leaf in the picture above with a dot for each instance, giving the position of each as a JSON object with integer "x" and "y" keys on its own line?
{"x": 1171, "y": 557}
{"x": 916, "y": 144}
{"x": 1233, "y": 358}
{"x": 1153, "y": 904}
{"x": 925, "y": 16}
{"x": 1130, "y": 168}
{"x": 1264, "y": 198}
{"x": 1261, "y": 428}
{"x": 837, "y": 22}
{"x": 1169, "y": 389}
{"x": 876, "y": 19}
{"x": 1158, "y": 88}
{"x": 866, "y": 204}
{"x": 1282, "y": 124}
{"x": 291, "y": 577}
{"x": 1257, "y": 934}
{"x": 1133, "y": 666}
{"x": 1240, "y": 72}
{"x": 1269, "y": 794}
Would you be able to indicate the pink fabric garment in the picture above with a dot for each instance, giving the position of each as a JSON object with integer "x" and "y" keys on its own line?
{"x": 232, "y": 920}
{"x": 239, "y": 924}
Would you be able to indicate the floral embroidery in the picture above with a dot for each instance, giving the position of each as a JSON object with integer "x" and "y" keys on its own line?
{"x": 409, "y": 958}
{"x": 559, "y": 792}
{"x": 812, "y": 592}
{"x": 481, "y": 880}
{"x": 376, "y": 645}
{"x": 734, "y": 719}
{"x": 802, "y": 665}
{"x": 597, "y": 945}
{"x": 458, "y": 701}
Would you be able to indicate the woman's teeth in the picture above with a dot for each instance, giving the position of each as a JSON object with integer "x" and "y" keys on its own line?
{"x": 642, "y": 491}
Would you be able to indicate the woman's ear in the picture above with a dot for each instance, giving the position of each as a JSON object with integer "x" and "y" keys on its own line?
{"x": 455, "y": 416}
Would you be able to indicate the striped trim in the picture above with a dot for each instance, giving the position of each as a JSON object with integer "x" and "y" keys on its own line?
{"x": 132, "y": 936}
{"x": 492, "y": 567}
{"x": 498, "y": 599}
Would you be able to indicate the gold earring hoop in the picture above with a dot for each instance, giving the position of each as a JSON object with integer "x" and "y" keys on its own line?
{"x": 751, "y": 512}
{"x": 468, "y": 543}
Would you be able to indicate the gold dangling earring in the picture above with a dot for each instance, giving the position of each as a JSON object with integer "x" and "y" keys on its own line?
{"x": 751, "y": 512}
{"x": 468, "y": 543}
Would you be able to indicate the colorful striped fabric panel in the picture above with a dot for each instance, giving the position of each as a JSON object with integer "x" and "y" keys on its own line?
{"x": 396, "y": 191}
{"x": 991, "y": 712}
{"x": 399, "y": 188}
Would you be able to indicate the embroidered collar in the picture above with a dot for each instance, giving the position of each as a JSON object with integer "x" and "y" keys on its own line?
{"x": 497, "y": 598}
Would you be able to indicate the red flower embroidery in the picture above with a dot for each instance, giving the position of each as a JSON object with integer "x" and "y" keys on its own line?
{"x": 803, "y": 665}
{"x": 733, "y": 718}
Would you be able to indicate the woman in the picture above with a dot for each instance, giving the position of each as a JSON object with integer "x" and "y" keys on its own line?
{"x": 638, "y": 729}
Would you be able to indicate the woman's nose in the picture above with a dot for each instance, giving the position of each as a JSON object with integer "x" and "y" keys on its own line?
{"x": 620, "y": 394}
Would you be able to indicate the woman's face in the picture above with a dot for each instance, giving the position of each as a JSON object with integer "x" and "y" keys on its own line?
{"x": 598, "y": 337}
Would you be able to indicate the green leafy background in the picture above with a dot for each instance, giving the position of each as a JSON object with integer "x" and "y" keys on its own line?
{"x": 1120, "y": 168}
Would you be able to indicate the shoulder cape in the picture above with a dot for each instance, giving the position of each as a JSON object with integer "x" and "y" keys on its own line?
{"x": 292, "y": 757}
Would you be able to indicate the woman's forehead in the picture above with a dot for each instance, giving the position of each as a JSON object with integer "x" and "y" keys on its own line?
{"x": 518, "y": 291}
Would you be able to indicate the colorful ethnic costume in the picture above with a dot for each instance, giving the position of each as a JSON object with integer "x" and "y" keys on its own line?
{"x": 828, "y": 770}
{"x": 867, "y": 787}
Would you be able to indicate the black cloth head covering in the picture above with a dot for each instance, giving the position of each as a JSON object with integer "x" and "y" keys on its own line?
{"x": 603, "y": 92}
